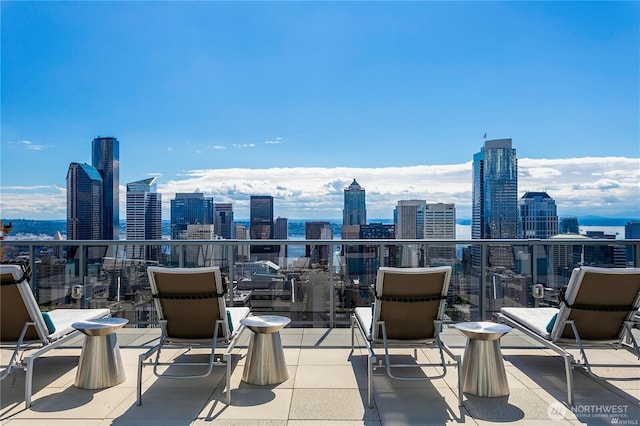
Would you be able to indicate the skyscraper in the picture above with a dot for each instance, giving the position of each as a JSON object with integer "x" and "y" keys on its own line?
{"x": 355, "y": 212}
{"x": 440, "y": 224}
{"x": 84, "y": 202}
{"x": 144, "y": 218}
{"x": 538, "y": 215}
{"x": 190, "y": 209}
{"x": 495, "y": 198}
{"x": 106, "y": 159}
{"x": 569, "y": 225}
{"x": 223, "y": 222}
{"x": 318, "y": 231}
{"x": 261, "y": 226}
{"x": 408, "y": 217}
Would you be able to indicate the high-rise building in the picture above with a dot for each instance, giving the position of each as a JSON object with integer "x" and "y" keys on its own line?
{"x": 261, "y": 226}
{"x": 355, "y": 212}
{"x": 281, "y": 232}
{"x": 84, "y": 202}
{"x": 569, "y": 225}
{"x": 223, "y": 222}
{"x": 189, "y": 209}
{"x": 495, "y": 199}
{"x": 321, "y": 230}
{"x": 105, "y": 154}
{"x": 538, "y": 215}
{"x": 440, "y": 224}
{"x": 408, "y": 217}
{"x": 631, "y": 232}
{"x": 144, "y": 218}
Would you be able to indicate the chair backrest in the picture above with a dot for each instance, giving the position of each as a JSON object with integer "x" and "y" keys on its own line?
{"x": 598, "y": 301}
{"x": 18, "y": 306}
{"x": 191, "y": 300}
{"x": 408, "y": 300}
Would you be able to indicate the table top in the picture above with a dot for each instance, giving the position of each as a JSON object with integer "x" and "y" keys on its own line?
{"x": 100, "y": 326}
{"x": 483, "y": 330}
{"x": 265, "y": 323}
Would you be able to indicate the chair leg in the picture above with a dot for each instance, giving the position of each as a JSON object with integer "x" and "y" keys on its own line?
{"x": 568, "y": 371}
{"x": 28, "y": 384}
{"x": 227, "y": 360}
{"x": 370, "y": 361}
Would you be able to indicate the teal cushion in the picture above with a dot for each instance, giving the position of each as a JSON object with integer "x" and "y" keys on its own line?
{"x": 48, "y": 322}
{"x": 229, "y": 321}
{"x": 551, "y": 323}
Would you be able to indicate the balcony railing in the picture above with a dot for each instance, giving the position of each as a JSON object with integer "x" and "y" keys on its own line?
{"x": 316, "y": 283}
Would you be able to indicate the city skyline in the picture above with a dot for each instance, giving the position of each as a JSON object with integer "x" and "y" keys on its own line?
{"x": 296, "y": 99}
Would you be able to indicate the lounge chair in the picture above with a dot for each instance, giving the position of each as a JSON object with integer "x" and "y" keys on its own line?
{"x": 28, "y": 331}
{"x": 596, "y": 309}
{"x": 407, "y": 313}
{"x": 190, "y": 303}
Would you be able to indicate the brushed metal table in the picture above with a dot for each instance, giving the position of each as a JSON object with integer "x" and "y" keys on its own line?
{"x": 265, "y": 364}
{"x": 100, "y": 363}
{"x": 483, "y": 371}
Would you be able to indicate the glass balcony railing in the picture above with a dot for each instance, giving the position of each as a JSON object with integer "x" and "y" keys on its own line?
{"x": 316, "y": 283}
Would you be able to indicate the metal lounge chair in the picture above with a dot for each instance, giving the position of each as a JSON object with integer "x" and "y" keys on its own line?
{"x": 190, "y": 303}
{"x": 28, "y": 331}
{"x": 407, "y": 313}
{"x": 596, "y": 310}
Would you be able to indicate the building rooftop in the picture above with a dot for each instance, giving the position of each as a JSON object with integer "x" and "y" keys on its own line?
{"x": 327, "y": 384}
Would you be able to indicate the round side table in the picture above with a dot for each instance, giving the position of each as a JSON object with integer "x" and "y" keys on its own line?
{"x": 100, "y": 363}
{"x": 265, "y": 364}
{"x": 483, "y": 371}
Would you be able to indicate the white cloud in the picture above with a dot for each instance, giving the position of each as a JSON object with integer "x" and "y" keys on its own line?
{"x": 30, "y": 146}
{"x": 317, "y": 192}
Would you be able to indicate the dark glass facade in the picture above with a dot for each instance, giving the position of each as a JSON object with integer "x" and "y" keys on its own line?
{"x": 106, "y": 159}
{"x": 84, "y": 201}
{"x": 261, "y": 225}
{"x": 190, "y": 209}
{"x": 355, "y": 212}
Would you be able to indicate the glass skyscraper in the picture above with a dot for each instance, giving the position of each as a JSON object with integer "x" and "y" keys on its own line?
{"x": 495, "y": 197}
{"x": 189, "y": 209}
{"x": 84, "y": 201}
{"x": 538, "y": 215}
{"x": 144, "y": 218}
{"x": 261, "y": 226}
{"x": 106, "y": 159}
{"x": 355, "y": 212}
{"x": 223, "y": 222}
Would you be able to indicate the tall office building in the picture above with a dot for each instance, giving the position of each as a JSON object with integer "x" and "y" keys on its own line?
{"x": 538, "y": 215}
{"x": 318, "y": 254}
{"x": 408, "y": 217}
{"x": 440, "y": 224}
{"x": 569, "y": 225}
{"x": 105, "y": 154}
{"x": 495, "y": 199}
{"x": 84, "y": 202}
{"x": 261, "y": 226}
{"x": 223, "y": 222}
{"x": 144, "y": 218}
{"x": 355, "y": 212}
{"x": 631, "y": 232}
{"x": 189, "y": 209}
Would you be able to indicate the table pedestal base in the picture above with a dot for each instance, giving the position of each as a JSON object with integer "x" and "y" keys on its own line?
{"x": 265, "y": 363}
{"x": 483, "y": 369}
{"x": 100, "y": 363}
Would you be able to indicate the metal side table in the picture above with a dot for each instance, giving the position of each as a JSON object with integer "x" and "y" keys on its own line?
{"x": 483, "y": 371}
{"x": 265, "y": 363}
{"x": 100, "y": 363}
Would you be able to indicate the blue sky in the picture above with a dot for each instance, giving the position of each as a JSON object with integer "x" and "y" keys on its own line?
{"x": 295, "y": 99}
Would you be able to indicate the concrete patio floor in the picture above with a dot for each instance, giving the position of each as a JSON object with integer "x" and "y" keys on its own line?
{"x": 327, "y": 385}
